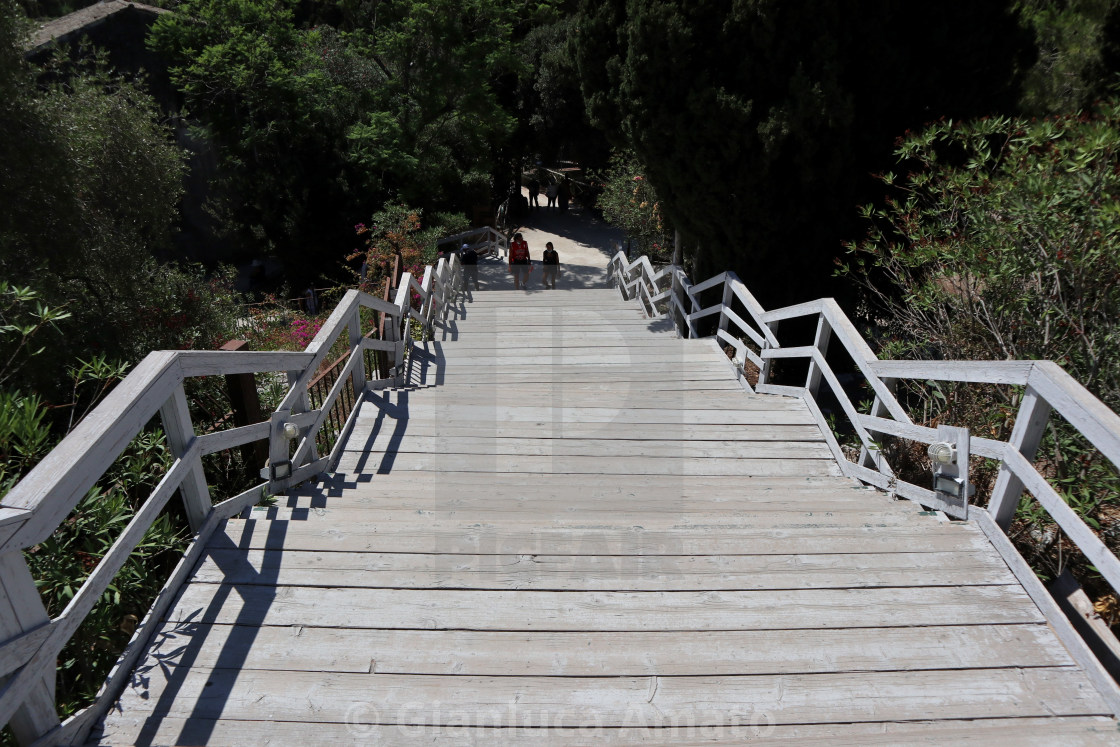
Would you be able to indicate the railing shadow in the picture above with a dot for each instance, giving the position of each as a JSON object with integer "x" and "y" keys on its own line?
{"x": 177, "y": 663}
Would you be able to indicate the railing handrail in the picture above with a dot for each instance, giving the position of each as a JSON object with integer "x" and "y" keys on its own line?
{"x": 489, "y": 237}
{"x": 1047, "y": 388}
{"x": 29, "y": 639}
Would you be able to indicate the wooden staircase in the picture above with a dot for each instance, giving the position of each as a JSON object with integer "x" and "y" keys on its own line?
{"x": 572, "y": 527}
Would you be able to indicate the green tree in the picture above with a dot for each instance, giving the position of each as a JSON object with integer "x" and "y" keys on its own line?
{"x": 1003, "y": 241}
{"x": 552, "y": 119}
{"x": 398, "y": 100}
{"x": 438, "y": 117}
{"x": 629, "y": 201}
{"x": 276, "y": 101}
{"x": 759, "y": 119}
{"x": 90, "y": 181}
{"x": 1077, "y": 55}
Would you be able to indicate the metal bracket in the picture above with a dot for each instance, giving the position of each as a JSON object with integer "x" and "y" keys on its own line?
{"x": 949, "y": 458}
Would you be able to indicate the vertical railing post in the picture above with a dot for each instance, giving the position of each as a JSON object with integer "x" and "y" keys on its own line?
{"x": 693, "y": 304}
{"x": 728, "y": 295}
{"x": 245, "y": 402}
{"x": 302, "y": 403}
{"x": 878, "y": 410}
{"x": 384, "y": 325}
{"x": 1030, "y": 424}
{"x": 767, "y": 363}
{"x": 354, "y": 327}
{"x": 279, "y": 451}
{"x": 176, "y": 416}
{"x": 820, "y": 342}
{"x": 22, "y": 610}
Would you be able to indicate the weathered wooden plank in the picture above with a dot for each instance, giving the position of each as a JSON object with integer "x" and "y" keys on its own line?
{"x": 1095, "y": 421}
{"x": 1093, "y": 670}
{"x": 576, "y": 430}
{"x": 575, "y": 702}
{"x": 473, "y": 537}
{"x": 791, "y": 609}
{"x": 1027, "y": 732}
{"x": 586, "y": 339}
{"x": 563, "y": 357}
{"x": 629, "y": 320}
{"x": 483, "y": 445}
{"x": 596, "y": 572}
{"x": 713, "y": 387}
{"x": 984, "y": 447}
{"x": 631, "y": 373}
{"x": 440, "y": 400}
{"x": 483, "y": 415}
{"x": 983, "y": 372}
{"x": 684, "y": 520}
{"x": 224, "y": 362}
{"x": 232, "y": 437}
{"x": 588, "y": 465}
{"x": 731, "y": 487}
{"x": 681, "y": 378}
{"x": 547, "y": 500}
{"x": 630, "y": 654}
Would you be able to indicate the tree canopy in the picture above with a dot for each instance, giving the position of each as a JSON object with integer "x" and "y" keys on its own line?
{"x": 999, "y": 242}
{"x": 758, "y": 120}
{"x": 90, "y": 181}
{"x": 323, "y": 115}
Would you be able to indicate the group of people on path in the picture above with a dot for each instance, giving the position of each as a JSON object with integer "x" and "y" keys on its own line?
{"x": 521, "y": 264}
{"x": 558, "y": 194}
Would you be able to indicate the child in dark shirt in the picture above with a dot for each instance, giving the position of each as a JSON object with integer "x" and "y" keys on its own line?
{"x": 550, "y": 265}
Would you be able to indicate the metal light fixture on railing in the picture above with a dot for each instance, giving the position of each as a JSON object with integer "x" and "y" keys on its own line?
{"x": 942, "y": 452}
{"x": 291, "y": 431}
{"x": 949, "y": 460}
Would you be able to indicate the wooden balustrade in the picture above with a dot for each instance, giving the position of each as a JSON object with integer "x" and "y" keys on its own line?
{"x": 1047, "y": 389}
{"x": 30, "y": 640}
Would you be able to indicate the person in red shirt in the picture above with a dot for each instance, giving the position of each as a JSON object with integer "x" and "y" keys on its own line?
{"x": 519, "y": 262}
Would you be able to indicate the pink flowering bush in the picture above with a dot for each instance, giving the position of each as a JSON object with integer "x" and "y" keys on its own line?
{"x": 303, "y": 331}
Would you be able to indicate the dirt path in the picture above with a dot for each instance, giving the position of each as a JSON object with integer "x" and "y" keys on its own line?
{"x": 584, "y": 243}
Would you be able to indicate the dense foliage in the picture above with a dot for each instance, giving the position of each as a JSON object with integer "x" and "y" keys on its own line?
{"x": 1077, "y": 53}
{"x": 629, "y": 201}
{"x": 90, "y": 182}
{"x": 758, "y": 122}
{"x": 398, "y": 233}
{"x": 89, "y": 187}
{"x": 1001, "y": 243}
{"x": 319, "y": 115}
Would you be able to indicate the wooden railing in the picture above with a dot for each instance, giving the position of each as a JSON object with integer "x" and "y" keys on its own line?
{"x": 1046, "y": 389}
{"x": 485, "y": 241}
{"x": 30, "y": 640}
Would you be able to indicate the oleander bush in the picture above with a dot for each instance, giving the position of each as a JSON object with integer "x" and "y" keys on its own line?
{"x": 1000, "y": 239}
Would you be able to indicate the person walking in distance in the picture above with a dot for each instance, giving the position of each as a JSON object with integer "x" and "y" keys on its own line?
{"x": 468, "y": 258}
{"x": 564, "y": 195}
{"x": 550, "y": 266}
{"x": 551, "y": 194}
{"x": 519, "y": 262}
{"x": 534, "y": 194}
